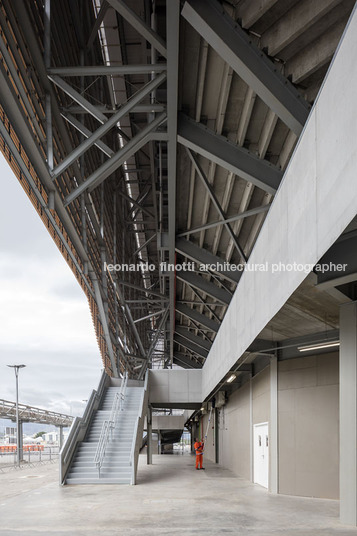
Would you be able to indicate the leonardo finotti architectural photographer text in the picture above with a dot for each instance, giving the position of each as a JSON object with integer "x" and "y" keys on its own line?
{"x": 226, "y": 266}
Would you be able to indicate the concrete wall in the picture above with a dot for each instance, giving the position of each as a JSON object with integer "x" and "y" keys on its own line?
{"x": 168, "y": 422}
{"x": 308, "y": 407}
{"x": 302, "y": 222}
{"x": 308, "y": 426}
{"x": 175, "y": 386}
{"x": 234, "y": 442}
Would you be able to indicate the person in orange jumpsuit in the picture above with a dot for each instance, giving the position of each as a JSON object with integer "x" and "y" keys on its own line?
{"x": 199, "y": 447}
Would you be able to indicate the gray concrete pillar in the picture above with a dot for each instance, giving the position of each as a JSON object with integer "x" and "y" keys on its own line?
{"x": 149, "y": 437}
{"x": 60, "y": 437}
{"x": 348, "y": 413}
{"x": 216, "y": 436}
{"x": 273, "y": 427}
{"x": 251, "y": 438}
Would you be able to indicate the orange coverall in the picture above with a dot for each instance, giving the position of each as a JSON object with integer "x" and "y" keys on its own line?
{"x": 198, "y": 446}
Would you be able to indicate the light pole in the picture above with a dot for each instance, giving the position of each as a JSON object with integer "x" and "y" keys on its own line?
{"x": 18, "y": 431}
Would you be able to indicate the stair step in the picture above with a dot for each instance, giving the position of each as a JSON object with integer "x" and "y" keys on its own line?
{"x": 116, "y": 468}
{"x": 93, "y": 471}
{"x": 89, "y": 480}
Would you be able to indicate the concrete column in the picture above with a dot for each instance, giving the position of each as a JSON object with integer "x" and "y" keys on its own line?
{"x": 251, "y": 442}
{"x": 348, "y": 413}
{"x": 149, "y": 437}
{"x": 216, "y": 436}
{"x": 273, "y": 427}
{"x": 60, "y": 437}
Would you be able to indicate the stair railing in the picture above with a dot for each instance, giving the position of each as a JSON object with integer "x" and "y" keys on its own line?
{"x": 79, "y": 428}
{"x": 110, "y": 424}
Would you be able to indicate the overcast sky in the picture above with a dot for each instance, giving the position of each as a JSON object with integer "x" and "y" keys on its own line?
{"x": 45, "y": 321}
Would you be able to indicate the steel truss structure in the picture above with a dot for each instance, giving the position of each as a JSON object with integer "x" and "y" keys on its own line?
{"x": 152, "y": 133}
{"x": 32, "y": 414}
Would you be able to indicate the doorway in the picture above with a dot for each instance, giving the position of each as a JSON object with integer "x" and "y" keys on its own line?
{"x": 261, "y": 454}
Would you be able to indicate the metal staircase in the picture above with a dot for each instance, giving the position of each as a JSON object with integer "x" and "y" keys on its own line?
{"x": 108, "y": 453}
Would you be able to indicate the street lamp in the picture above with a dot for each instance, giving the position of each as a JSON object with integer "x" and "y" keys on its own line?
{"x": 18, "y": 431}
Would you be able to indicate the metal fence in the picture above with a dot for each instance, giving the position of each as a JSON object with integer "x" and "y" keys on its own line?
{"x": 8, "y": 460}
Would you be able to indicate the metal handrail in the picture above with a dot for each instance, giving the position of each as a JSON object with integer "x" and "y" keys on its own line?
{"x": 79, "y": 428}
{"x": 102, "y": 445}
{"x": 109, "y": 425}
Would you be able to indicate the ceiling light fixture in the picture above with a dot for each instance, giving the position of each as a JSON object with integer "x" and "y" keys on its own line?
{"x": 231, "y": 378}
{"x": 320, "y": 346}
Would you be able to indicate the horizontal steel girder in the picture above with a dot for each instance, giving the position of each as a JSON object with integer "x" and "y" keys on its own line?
{"x": 198, "y": 282}
{"x": 194, "y": 315}
{"x": 108, "y": 70}
{"x": 116, "y": 161}
{"x": 186, "y": 334}
{"x": 190, "y": 250}
{"x": 139, "y": 108}
{"x": 236, "y": 48}
{"x": 230, "y": 156}
{"x": 198, "y": 350}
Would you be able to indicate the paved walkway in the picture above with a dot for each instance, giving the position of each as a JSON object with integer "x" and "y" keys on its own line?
{"x": 171, "y": 498}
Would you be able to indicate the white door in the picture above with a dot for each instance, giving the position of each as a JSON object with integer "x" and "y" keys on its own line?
{"x": 261, "y": 454}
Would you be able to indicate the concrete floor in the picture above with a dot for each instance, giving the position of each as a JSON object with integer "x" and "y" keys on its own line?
{"x": 171, "y": 498}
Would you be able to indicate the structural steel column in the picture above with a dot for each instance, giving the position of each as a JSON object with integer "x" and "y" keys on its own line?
{"x": 273, "y": 428}
{"x": 20, "y": 440}
{"x": 348, "y": 413}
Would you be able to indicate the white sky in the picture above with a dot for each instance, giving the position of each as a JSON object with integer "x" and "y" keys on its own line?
{"x": 45, "y": 321}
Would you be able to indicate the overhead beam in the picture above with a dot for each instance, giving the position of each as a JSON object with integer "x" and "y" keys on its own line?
{"x": 78, "y": 98}
{"x": 194, "y": 315}
{"x": 135, "y": 203}
{"x": 185, "y": 362}
{"x": 191, "y": 346}
{"x": 228, "y": 155}
{"x": 250, "y": 12}
{"x": 116, "y": 161}
{"x": 198, "y": 282}
{"x": 236, "y": 48}
{"x": 87, "y": 133}
{"x": 232, "y": 219}
{"x": 108, "y": 124}
{"x": 139, "y": 108}
{"x": 143, "y": 289}
{"x": 140, "y": 26}
{"x": 215, "y": 202}
{"x": 108, "y": 70}
{"x": 202, "y": 256}
{"x": 299, "y": 19}
{"x": 312, "y": 58}
{"x": 98, "y": 21}
{"x": 340, "y": 263}
{"x": 199, "y": 341}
